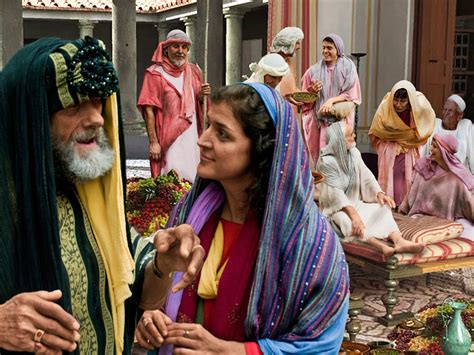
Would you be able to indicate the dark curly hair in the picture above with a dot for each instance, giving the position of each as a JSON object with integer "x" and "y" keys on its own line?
{"x": 257, "y": 124}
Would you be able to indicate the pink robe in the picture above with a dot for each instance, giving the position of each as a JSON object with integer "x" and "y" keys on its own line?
{"x": 444, "y": 195}
{"x": 168, "y": 105}
{"x": 315, "y": 137}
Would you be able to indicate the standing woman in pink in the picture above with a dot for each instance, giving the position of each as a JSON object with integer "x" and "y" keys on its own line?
{"x": 402, "y": 124}
{"x": 335, "y": 78}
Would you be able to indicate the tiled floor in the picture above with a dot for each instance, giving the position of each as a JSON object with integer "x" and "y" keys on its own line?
{"x": 413, "y": 294}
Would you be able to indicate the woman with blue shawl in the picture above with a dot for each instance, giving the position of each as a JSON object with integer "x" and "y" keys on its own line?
{"x": 335, "y": 79}
{"x": 274, "y": 278}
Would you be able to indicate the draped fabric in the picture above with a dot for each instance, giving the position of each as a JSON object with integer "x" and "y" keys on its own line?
{"x": 391, "y": 137}
{"x": 336, "y": 162}
{"x": 388, "y": 126}
{"x": 301, "y": 279}
{"x": 340, "y": 79}
{"x": 447, "y": 146}
{"x": 344, "y": 78}
{"x": 30, "y": 231}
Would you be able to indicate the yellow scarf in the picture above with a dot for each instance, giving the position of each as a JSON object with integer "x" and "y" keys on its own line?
{"x": 211, "y": 273}
{"x": 103, "y": 200}
{"x": 388, "y": 126}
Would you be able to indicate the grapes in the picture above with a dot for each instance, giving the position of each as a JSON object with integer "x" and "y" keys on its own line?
{"x": 150, "y": 201}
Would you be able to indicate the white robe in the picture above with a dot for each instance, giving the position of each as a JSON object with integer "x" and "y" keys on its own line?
{"x": 464, "y": 133}
{"x": 183, "y": 155}
{"x": 378, "y": 219}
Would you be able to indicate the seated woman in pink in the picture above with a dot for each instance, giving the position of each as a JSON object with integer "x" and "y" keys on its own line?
{"x": 335, "y": 78}
{"x": 442, "y": 186}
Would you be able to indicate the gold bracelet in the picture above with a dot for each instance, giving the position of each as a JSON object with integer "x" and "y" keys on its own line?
{"x": 158, "y": 273}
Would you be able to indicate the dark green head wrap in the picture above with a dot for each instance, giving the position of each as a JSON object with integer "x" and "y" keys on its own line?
{"x": 43, "y": 77}
{"x": 77, "y": 71}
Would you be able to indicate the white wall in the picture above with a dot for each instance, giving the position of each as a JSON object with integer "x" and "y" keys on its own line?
{"x": 335, "y": 16}
{"x": 384, "y": 30}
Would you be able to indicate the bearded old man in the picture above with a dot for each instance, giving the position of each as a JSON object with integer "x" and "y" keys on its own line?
{"x": 453, "y": 123}
{"x": 171, "y": 103}
{"x": 68, "y": 281}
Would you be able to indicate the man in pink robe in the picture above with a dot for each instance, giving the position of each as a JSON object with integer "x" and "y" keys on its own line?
{"x": 171, "y": 104}
{"x": 335, "y": 78}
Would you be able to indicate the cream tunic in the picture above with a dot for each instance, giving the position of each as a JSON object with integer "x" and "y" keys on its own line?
{"x": 378, "y": 219}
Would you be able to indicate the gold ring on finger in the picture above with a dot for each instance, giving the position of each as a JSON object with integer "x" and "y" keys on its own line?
{"x": 186, "y": 334}
{"x": 147, "y": 321}
{"x": 39, "y": 334}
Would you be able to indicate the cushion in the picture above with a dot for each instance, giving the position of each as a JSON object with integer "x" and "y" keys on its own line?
{"x": 427, "y": 229}
{"x": 449, "y": 249}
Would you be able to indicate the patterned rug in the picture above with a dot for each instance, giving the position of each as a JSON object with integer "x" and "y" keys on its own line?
{"x": 413, "y": 293}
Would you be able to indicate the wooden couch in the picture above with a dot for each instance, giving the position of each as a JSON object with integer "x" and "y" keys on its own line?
{"x": 442, "y": 256}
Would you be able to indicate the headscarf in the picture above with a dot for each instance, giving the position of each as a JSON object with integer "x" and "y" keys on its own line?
{"x": 336, "y": 162}
{"x": 388, "y": 126}
{"x": 344, "y": 68}
{"x": 285, "y": 40}
{"x": 338, "y": 42}
{"x": 43, "y": 77}
{"x": 458, "y": 101}
{"x": 301, "y": 278}
{"x": 174, "y": 36}
{"x": 272, "y": 64}
{"x": 448, "y": 146}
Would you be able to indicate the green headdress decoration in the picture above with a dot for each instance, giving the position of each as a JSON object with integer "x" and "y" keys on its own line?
{"x": 78, "y": 71}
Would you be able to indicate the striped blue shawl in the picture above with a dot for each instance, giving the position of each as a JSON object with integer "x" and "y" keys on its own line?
{"x": 301, "y": 278}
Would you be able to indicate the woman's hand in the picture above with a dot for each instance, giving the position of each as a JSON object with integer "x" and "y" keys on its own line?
{"x": 383, "y": 199}
{"x": 152, "y": 329}
{"x": 179, "y": 249}
{"x": 315, "y": 86}
{"x": 155, "y": 151}
{"x": 34, "y": 322}
{"x": 326, "y": 107}
{"x": 189, "y": 338}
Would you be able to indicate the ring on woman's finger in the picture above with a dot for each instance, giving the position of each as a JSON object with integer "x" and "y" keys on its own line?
{"x": 186, "y": 334}
{"x": 39, "y": 334}
{"x": 147, "y": 321}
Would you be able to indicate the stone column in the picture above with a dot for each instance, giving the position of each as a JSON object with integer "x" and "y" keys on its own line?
{"x": 190, "y": 23}
{"x": 124, "y": 49}
{"x": 214, "y": 34}
{"x": 163, "y": 28}
{"x": 11, "y": 29}
{"x": 233, "y": 45}
{"x": 86, "y": 28}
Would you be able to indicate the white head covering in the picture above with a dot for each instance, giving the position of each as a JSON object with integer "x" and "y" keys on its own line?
{"x": 177, "y": 36}
{"x": 286, "y": 39}
{"x": 458, "y": 101}
{"x": 272, "y": 64}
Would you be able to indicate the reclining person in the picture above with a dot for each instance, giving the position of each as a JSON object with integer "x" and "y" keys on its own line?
{"x": 351, "y": 198}
{"x": 442, "y": 186}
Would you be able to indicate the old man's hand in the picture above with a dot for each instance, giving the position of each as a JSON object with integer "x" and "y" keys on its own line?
{"x": 179, "y": 249}
{"x": 34, "y": 322}
{"x": 206, "y": 89}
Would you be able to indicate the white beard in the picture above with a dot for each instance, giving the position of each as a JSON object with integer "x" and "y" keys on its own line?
{"x": 90, "y": 165}
{"x": 178, "y": 62}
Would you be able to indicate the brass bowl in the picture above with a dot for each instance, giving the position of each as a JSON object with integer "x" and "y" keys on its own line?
{"x": 305, "y": 96}
{"x": 352, "y": 348}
